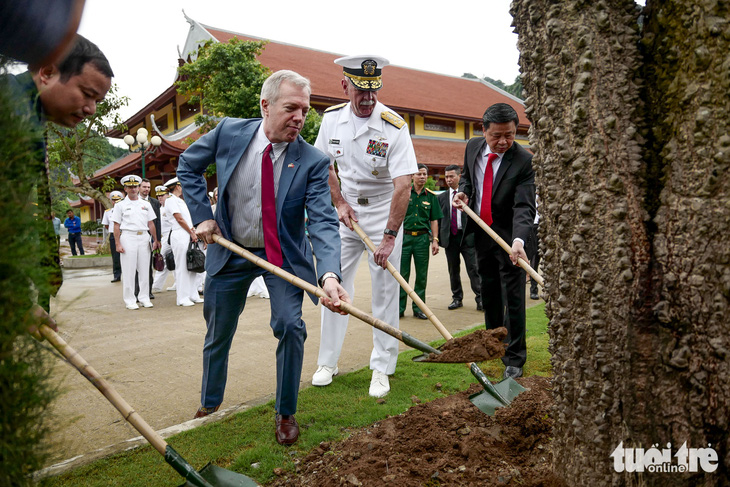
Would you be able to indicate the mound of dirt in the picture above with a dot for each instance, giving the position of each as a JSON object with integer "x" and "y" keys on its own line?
{"x": 444, "y": 442}
{"x": 478, "y": 346}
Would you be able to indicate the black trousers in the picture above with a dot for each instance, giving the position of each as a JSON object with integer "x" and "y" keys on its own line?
{"x": 116, "y": 261}
{"x": 497, "y": 273}
{"x": 462, "y": 248}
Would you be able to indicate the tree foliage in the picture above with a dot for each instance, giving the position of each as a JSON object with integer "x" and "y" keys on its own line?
{"x": 75, "y": 154}
{"x": 227, "y": 79}
{"x": 513, "y": 89}
{"x": 24, "y": 371}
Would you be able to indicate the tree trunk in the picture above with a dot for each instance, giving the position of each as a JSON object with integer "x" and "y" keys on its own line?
{"x": 630, "y": 132}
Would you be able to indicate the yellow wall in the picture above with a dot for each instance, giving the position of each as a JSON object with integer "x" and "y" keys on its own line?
{"x": 85, "y": 214}
{"x": 419, "y": 129}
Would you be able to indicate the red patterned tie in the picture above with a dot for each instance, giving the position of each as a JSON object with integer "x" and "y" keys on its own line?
{"x": 485, "y": 213}
{"x": 268, "y": 210}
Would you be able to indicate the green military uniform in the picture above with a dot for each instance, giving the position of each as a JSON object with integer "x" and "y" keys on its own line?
{"x": 422, "y": 209}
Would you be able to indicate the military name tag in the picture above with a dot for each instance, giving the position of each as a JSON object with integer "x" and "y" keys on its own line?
{"x": 335, "y": 141}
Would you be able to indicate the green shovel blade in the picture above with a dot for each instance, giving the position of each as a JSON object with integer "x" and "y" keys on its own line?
{"x": 220, "y": 477}
{"x": 487, "y": 403}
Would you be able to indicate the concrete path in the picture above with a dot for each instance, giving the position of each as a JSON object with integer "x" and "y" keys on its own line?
{"x": 153, "y": 357}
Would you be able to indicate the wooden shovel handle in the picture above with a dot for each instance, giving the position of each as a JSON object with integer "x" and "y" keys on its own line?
{"x": 404, "y": 284}
{"x": 532, "y": 272}
{"x": 310, "y": 288}
{"x": 105, "y": 388}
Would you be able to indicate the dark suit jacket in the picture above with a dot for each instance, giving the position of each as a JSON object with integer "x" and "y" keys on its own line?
{"x": 158, "y": 224}
{"x": 513, "y": 191}
{"x": 445, "y": 222}
{"x": 303, "y": 184}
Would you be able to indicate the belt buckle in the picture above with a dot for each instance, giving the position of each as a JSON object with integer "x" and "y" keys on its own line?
{"x": 362, "y": 201}
{"x": 414, "y": 234}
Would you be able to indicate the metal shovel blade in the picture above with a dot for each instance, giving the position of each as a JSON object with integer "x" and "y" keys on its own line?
{"x": 220, "y": 477}
{"x": 487, "y": 403}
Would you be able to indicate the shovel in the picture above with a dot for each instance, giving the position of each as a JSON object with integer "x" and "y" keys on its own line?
{"x": 494, "y": 395}
{"x": 312, "y": 289}
{"x": 209, "y": 476}
{"x": 521, "y": 262}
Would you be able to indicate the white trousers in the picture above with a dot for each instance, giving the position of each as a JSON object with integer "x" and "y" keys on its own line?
{"x": 185, "y": 281}
{"x": 135, "y": 259}
{"x": 160, "y": 277}
{"x": 385, "y": 290}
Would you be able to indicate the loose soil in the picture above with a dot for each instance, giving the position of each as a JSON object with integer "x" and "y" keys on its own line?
{"x": 444, "y": 442}
{"x": 478, "y": 346}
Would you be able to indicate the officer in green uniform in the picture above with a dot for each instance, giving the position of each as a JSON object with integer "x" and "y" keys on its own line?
{"x": 420, "y": 231}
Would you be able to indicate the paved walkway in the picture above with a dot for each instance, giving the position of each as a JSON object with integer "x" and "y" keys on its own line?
{"x": 152, "y": 357}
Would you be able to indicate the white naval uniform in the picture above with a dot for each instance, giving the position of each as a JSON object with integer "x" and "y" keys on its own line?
{"x": 369, "y": 156}
{"x": 185, "y": 281}
{"x": 165, "y": 228}
{"x": 133, "y": 217}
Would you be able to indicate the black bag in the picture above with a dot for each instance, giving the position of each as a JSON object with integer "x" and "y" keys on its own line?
{"x": 169, "y": 257}
{"x": 195, "y": 258}
{"x": 158, "y": 262}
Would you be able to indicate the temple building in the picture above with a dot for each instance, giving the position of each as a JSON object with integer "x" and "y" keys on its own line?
{"x": 442, "y": 111}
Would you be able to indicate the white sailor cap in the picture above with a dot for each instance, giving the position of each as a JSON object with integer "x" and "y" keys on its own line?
{"x": 131, "y": 180}
{"x": 172, "y": 182}
{"x": 161, "y": 190}
{"x": 116, "y": 195}
{"x": 364, "y": 70}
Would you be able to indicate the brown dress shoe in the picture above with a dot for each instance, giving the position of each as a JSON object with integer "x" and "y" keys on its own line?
{"x": 287, "y": 430}
{"x": 203, "y": 412}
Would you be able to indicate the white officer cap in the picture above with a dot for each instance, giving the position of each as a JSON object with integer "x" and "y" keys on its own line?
{"x": 364, "y": 70}
{"x": 131, "y": 180}
{"x": 172, "y": 182}
{"x": 161, "y": 190}
{"x": 116, "y": 195}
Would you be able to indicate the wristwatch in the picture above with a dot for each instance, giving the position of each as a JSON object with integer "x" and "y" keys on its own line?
{"x": 392, "y": 233}
{"x": 327, "y": 275}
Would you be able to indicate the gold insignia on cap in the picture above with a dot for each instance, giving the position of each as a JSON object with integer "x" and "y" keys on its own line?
{"x": 368, "y": 67}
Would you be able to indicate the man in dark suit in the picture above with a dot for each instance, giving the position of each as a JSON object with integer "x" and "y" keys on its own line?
{"x": 451, "y": 238}
{"x": 267, "y": 176}
{"x": 498, "y": 183}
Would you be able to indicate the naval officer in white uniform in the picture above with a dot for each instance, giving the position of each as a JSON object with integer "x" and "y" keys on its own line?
{"x": 133, "y": 225}
{"x": 372, "y": 148}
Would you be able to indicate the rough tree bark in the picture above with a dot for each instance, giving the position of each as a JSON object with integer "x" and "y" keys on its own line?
{"x": 630, "y": 125}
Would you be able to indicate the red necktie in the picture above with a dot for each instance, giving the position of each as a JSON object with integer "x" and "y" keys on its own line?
{"x": 268, "y": 210}
{"x": 485, "y": 213}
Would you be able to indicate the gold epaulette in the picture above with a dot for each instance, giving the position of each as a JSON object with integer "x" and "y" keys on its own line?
{"x": 393, "y": 119}
{"x": 335, "y": 107}
{"x": 431, "y": 191}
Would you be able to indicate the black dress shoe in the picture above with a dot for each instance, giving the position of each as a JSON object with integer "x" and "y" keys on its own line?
{"x": 455, "y": 304}
{"x": 534, "y": 295}
{"x": 401, "y": 315}
{"x": 513, "y": 372}
{"x": 152, "y": 296}
{"x": 287, "y": 429}
{"x": 420, "y": 315}
{"x": 480, "y": 307}
{"x": 116, "y": 279}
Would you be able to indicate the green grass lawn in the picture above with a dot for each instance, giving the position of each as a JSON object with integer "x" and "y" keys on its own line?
{"x": 245, "y": 442}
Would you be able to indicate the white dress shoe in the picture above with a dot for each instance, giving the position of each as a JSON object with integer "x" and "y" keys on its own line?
{"x": 187, "y": 302}
{"x": 197, "y": 300}
{"x": 156, "y": 290}
{"x": 147, "y": 304}
{"x": 323, "y": 376}
{"x": 379, "y": 384}
{"x": 172, "y": 288}
{"x": 132, "y": 306}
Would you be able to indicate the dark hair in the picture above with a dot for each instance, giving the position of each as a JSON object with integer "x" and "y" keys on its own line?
{"x": 70, "y": 211}
{"x": 453, "y": 167}
{"x": 84, "y": 51}
{"x": 500, "y": 113}
{"x": 145, "y": 180}
{"x": 422, "y": 166}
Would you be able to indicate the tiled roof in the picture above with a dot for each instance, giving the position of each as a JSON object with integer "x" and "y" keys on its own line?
{"x": 403, "y": 88}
